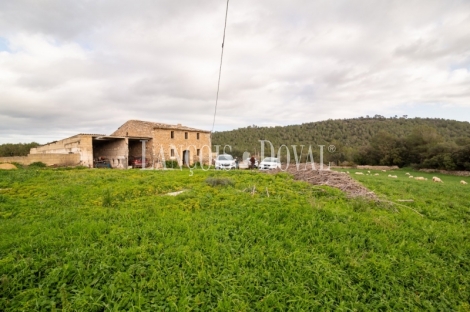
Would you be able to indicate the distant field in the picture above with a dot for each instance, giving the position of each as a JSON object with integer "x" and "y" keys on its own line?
{"x": 95, "y": 240}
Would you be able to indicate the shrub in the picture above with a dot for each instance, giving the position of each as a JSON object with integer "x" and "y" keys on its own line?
{"x": 107, "y": 199}
{"x": 171, "y": 164}
{"x": 38, "y": 164}
{"x": 219, "y": 181}
{"x": 17, "y": 165}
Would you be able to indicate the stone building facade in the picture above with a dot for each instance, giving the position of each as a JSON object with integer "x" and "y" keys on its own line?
{"x": 81, "y": 144}
{"x": 168, "y": 142}
{"x": 161, "y": 142}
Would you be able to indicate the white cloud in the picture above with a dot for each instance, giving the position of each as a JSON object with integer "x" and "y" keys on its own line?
{"x": 89, "y": 66}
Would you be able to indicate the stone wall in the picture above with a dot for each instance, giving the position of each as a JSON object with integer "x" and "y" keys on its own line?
{"x": 49, "y": 159}
{"x": 182, "y": 140}
{"x": 81, "y": 144}
{"x": 114, "y": 150}
{"x": 135, "y": 149}
{"x": 377, "y": 167}
{"x": 135, "y": 128}
{"x": 456, "y": 173}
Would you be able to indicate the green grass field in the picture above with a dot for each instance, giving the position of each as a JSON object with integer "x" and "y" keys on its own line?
{"x": 99, "y": 240}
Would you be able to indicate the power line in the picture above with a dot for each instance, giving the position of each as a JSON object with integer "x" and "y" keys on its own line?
{"x": 220, "y": 70}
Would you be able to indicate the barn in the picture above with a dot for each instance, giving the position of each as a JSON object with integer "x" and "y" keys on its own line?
{"x": 155, "y": 142}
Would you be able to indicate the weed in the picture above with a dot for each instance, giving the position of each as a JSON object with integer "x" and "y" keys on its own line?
{"x": 37, "y": 164}
{"x": 17, "y": 165}
{"x": 107, "y": 199}
{"x": 219, "y": 181}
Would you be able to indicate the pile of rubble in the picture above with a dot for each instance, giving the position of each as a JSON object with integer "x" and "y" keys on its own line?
{"x": 339, "y": 180}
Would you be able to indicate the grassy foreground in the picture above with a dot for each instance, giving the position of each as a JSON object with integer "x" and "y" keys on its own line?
{"x": 99, "y": 240}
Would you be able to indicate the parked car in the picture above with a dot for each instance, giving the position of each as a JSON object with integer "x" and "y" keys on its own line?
{"x": 225, "y": 161}
{"x": 270, "y": 163}
{"x": 101, "y": 163}
{"x": 136, "y": 162}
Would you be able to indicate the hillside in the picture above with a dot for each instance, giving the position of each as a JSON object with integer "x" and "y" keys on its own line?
{"x": 349, "y": 132}
{"x": 353, "y": 137}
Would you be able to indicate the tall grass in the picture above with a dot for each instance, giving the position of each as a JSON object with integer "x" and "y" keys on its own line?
{"x": 265, "y": 243}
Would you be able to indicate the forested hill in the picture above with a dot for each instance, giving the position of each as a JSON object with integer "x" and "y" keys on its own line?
{"x": 353, "y": 137}
{"x": 350, "y": 132}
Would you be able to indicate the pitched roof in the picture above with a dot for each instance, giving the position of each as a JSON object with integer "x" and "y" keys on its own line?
{"x": 158, "y": 125}
{"x": 71, "y": 137}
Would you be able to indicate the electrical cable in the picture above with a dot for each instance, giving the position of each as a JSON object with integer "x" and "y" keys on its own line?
{"x": 220, "y": 70}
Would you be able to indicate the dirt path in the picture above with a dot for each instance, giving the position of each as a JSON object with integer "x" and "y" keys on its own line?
{"x": 335, "y": 179}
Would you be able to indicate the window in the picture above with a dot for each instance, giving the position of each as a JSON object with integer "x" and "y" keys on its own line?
{"x": 172, "y": 151}
{"x": 172, "y": 134}
{"x": 186, "y": 135}
{"x": 197, "y": 135}
{"x": 198, "y": 151}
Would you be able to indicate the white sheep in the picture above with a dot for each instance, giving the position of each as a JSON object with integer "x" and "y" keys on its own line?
{"x": 347, "y": 172}
{"x": 393, "y": 176}
{"x": 420, "y": 178}
{"x": 359, "y": 173}
{"x": 407, "y": 173}
{"x": 384, "y": 170}
{"x": 436, "y": 179}
{"x": 411, "y": 177}
{"x": 368, "y": 171}
{"x": 376, "y": 174}
{"x": 463, "y": 182}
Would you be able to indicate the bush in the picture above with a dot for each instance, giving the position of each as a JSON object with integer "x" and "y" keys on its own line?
{"x": 171, "y": 164}
{"x": 219, "y": 181}
{"x": 17, "y": 165}
{"x": 415, "y": 166}
{"x": 37, "y": 164}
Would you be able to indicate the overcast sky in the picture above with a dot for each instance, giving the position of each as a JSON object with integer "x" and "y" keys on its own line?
{"x": 69, "y": 67}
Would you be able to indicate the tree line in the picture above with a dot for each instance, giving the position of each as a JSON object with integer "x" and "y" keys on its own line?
{"x": 18, "y": 149}
{"x": 422, "y": 148}
{"x": 419, "y": 142}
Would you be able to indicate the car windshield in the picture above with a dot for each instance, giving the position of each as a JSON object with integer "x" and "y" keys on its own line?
{"x": 270, "y": 159}
{"x": 225, "y": 157}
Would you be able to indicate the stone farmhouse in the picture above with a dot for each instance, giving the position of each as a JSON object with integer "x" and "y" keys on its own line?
{"x": 159, "y": 142}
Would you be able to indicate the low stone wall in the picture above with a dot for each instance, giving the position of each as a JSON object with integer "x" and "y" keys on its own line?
{"x": 377, "y": 167}
{"x": 48, "y": 159}
{"x": 456, "y": 173}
